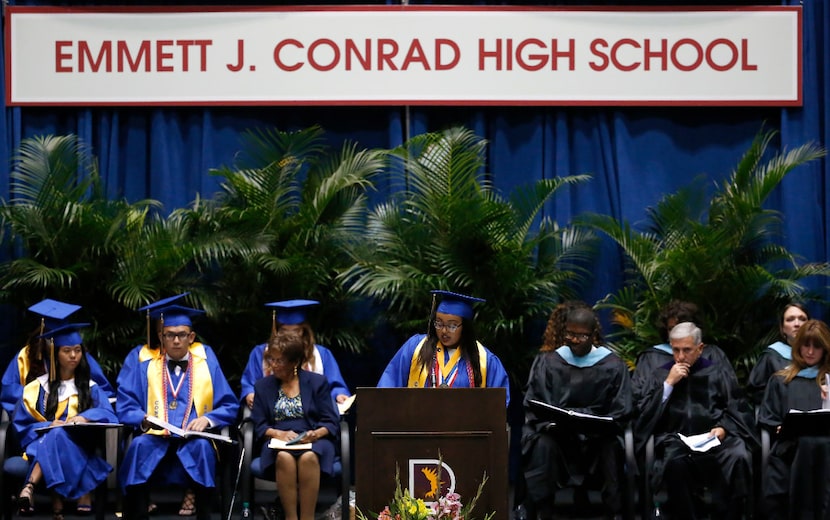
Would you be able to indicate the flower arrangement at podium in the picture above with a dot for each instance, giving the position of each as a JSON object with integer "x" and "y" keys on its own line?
{"x": 448, "y": 507}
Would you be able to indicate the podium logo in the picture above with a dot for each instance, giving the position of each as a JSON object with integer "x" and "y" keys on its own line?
{"x": 424, "y": 481}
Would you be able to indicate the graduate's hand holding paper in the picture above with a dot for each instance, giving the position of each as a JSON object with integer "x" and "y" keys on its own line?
{"x": 199, "y": 424}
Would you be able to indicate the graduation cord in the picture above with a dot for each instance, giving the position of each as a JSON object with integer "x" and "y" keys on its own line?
{"x": 436, "y": 372}
{"x": 167, "y": 382}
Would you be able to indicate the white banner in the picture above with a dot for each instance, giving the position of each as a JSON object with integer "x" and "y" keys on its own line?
{"x": 403, "y": 55}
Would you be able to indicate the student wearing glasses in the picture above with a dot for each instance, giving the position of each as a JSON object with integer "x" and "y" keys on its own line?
{"x": 181, "y": 385}
{"x": 573, "y": 371}
{"x": 151, "y": 350}
{"x": 448, "y": 355}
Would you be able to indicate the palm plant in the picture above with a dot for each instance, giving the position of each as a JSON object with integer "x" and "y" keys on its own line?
{"x": 719, "y": 251}
{"x": 304, "y": 205}
{"x": 75, "y": 244}
{"x": 449, "y": 229}
{"x": 64, "y": 233}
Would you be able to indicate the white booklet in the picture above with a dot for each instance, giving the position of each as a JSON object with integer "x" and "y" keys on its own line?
{"x": 345, "y": 405}
{"x": 175, "y": 430}
{"x": 277, "y": 444}
{"x": 700, "y": 442}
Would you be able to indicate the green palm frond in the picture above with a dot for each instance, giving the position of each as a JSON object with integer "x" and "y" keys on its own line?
{"x": 449, "y": 229}
{"x": 719, "y": 250}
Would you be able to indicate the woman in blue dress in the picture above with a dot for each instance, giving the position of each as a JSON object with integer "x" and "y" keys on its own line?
{"x": 289, "y": 403}
{"x": 62, "y": 457}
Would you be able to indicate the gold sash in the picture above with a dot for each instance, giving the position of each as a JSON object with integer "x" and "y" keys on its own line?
{"x": 23, "y": 364}
{"x": 201, "y": 397}
{"x": 31, "y": 392}
{"x": 418, "y": 374}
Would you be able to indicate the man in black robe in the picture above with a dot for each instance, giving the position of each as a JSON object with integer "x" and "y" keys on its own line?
{"x": 690, "y": 395}
{"x": 679, "y": 311}
{"x": 584, "y": 378}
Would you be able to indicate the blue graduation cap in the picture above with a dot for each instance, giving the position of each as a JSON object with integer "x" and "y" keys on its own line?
{"x": 65, "y": 335}
{"x": 53, "y": 313}
{"x": 171, "y": 313}
{"x": 456, "y": 304}
{"x": 291, "y": 312}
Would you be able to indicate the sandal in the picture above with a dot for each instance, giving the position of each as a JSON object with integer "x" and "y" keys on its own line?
{"x": 188, "y": 507}
{"x": 25, "y": 499}
{"x": 84, "y": 507}
{"x": 57, "y": 507}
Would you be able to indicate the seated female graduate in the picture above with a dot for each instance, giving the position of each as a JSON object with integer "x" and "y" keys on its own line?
{"x": 790, "y": 486}
{"x": 62, "y": 457}
{"x": 33, "y": 360}
{"x": 779, "y": 354}
{"x": 293, "y": 404}
{"x": 292, "y": 315}
{"x": 448, "y": 354}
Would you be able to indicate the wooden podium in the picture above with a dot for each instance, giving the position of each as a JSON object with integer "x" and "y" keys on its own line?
{"x": 407, "y": 428}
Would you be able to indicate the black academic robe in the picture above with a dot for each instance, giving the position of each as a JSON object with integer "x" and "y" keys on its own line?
{"x": 652, "y": 358}
{"x": 769, "y": 362}
{"x": 697, "y": 404}
{"x": 558, "y": 457}
{"x": 794, "y": 463}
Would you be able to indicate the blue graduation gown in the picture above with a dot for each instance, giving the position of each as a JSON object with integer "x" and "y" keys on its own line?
{"x": 65, "y": 455}
{"x": 318, "y": 411}
{"x": 396, "y": 374}
{"x": 12, "y": 384}
{"x": 253, "y": 372}
{"x": 195, "y": 457}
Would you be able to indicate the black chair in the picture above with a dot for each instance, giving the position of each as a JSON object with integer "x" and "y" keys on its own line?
{"x": 653, "y": 497}
{"x": 590, "y": 490}
{"x": 252, "y": 470}
{"x": 15, "y": 469}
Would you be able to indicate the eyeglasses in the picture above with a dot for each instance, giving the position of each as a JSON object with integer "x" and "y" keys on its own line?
{"x": 276, "y": 361}
{"x": 449, "y": 327}
{"x": 170, "y": 336}
{"x": 577, "y": 335}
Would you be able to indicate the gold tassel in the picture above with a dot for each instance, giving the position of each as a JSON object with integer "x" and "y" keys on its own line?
{"x": 161, "y": 329}
{"x": 149, "y": 345}
{"x": 51, "y": 359}
{"x": 273, "y": 322}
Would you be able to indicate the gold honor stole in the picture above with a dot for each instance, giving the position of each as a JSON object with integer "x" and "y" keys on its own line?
{"x": 31, "y": 393}
{"x": 148, "y": 353}
{"x": 201, "y": 396}
{"x": 418, "y": 374}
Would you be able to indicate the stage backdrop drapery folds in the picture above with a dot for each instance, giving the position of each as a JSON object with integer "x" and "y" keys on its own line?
{"x": 635, "y": 155}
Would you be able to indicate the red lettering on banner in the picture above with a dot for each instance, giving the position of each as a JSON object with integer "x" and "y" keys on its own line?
{"x": 454, "y": 51}
{"x": 415, "y": 55}
{"x": 387, "y": 49}
{"x": 324, "y": 54}
{"x": 326, "y": 43}
{"x": 529, "y": 54}
{"x": 130, "y": 57}
{"x": 278, "y": 55}
{"x": 364, "y": 59}
{"x": 686, "y": 54}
